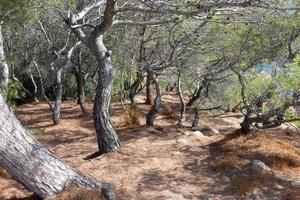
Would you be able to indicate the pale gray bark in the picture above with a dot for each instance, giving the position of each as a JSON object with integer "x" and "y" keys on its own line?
{"x": 42, "y": 85}
{"x": 4, "y": 71}
{"x": 35, "y": 88}
{"x": 58, "y": 97}
{"x": 28, "y": 162}
{"x": 108, "y": 140}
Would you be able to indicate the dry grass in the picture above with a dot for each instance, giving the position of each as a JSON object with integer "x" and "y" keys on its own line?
{"x": 250, "y": 182}
{"x": 3, "y": 173}
{"x": 169, "y": 112}
{"x": 130, "y": 117}
{"x": 292, "y": 194}
{"x": 278, "y": 154}
{"x": 226, "y": 163}
{"x": 237, "y": 150}
{"x": 75, "y": 193}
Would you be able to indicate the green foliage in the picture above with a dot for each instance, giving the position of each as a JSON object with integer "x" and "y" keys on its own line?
{"x": 15, "y": 93}
{"x": 70, "y": 87}
{"x": 89, "y": 89}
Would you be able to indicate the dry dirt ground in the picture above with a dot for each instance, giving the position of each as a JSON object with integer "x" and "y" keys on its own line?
{"x": 167, "y": 162}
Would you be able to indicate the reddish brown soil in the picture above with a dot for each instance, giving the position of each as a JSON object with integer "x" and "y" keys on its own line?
{"x": 155, "y": 163}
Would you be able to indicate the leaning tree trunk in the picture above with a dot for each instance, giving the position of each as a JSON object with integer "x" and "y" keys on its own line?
{"x": 58, "y": 98}
{"x": 108, "y": 140}
{"x": 157, "y": 104}
{"x": 182, "y": 103}
{"x": 4, "y": 72}
{"x": 31, "y": 164}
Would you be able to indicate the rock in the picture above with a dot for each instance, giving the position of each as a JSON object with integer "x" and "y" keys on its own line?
{"x": 259, "y": 166}
{"x": 226, "y": 179}
{"x": 209, "y": 131}
{"x": 194, "y": 133}
{"x": 182, "y": 141}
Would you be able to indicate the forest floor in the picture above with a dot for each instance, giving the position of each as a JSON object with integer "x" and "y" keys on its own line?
{"x": 166, "y": 161}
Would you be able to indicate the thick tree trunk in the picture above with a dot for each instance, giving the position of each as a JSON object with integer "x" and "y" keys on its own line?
{"x": 28, "y": 162}
{"x": 58, "y": 98}
{"x": 182, "y": 103}
{"x": 108, "y": 140}
{"x": 157, "y": 104}
{"x": 4, "y": 72}
{"x": 149, "y": 99}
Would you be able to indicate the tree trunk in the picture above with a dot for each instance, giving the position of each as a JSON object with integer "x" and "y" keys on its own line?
{"x": 34, "y": 87}
{"x": 42, "y": 85}
{"x": 149, "y": 99}
{"x": 58, "y": 98}
{"x": 133, "y": 90}
{"x": 80, "y": 83}
{"x": 182, "y": 103}
{"x": 108, "y": 140}
{"x": 4, "y": 72}
{"x": 195, "y": 97}
{"x": 197, "y": 116}
{"x": 28, "y": 162}
{"x": 157, "y": 104}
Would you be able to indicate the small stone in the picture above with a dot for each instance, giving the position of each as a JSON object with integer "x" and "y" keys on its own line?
{"x": 209, "y": 130}
{"x": 226, "y": 179}
{"x": 259, "y": 166}
{"x": 279, "y": 187}
{"x": 182, "y": 141}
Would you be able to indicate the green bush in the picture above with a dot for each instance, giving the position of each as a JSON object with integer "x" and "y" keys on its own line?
{"x": 15, "y": 93}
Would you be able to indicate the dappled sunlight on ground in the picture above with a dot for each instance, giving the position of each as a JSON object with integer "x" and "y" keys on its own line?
{"x": 162, "y": 162}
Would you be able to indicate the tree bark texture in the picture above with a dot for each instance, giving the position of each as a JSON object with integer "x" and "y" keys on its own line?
{"x": 58, "y": 97}
{"x": 182, "y": 103}
{"x": 80, "y": 83}
{"x": 31, "y": 164}
{"x": 197, "y": 115}
{"x": 195, "y": 97}
{"x": 4, "y": 71}
{"x": 108, "y": 140}
{"x": 157, "y": 104}
{"x": 149, "y": 99}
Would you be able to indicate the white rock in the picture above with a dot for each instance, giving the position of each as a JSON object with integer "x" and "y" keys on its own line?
{"x": 182, "y": 141}
{"x": 210, "y": 131}
{"x": 259, "y": 166}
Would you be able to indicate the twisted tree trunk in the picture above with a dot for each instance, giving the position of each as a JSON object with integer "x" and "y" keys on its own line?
{"x": 31, "y": 164}
{"x": 108, "y": 140}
